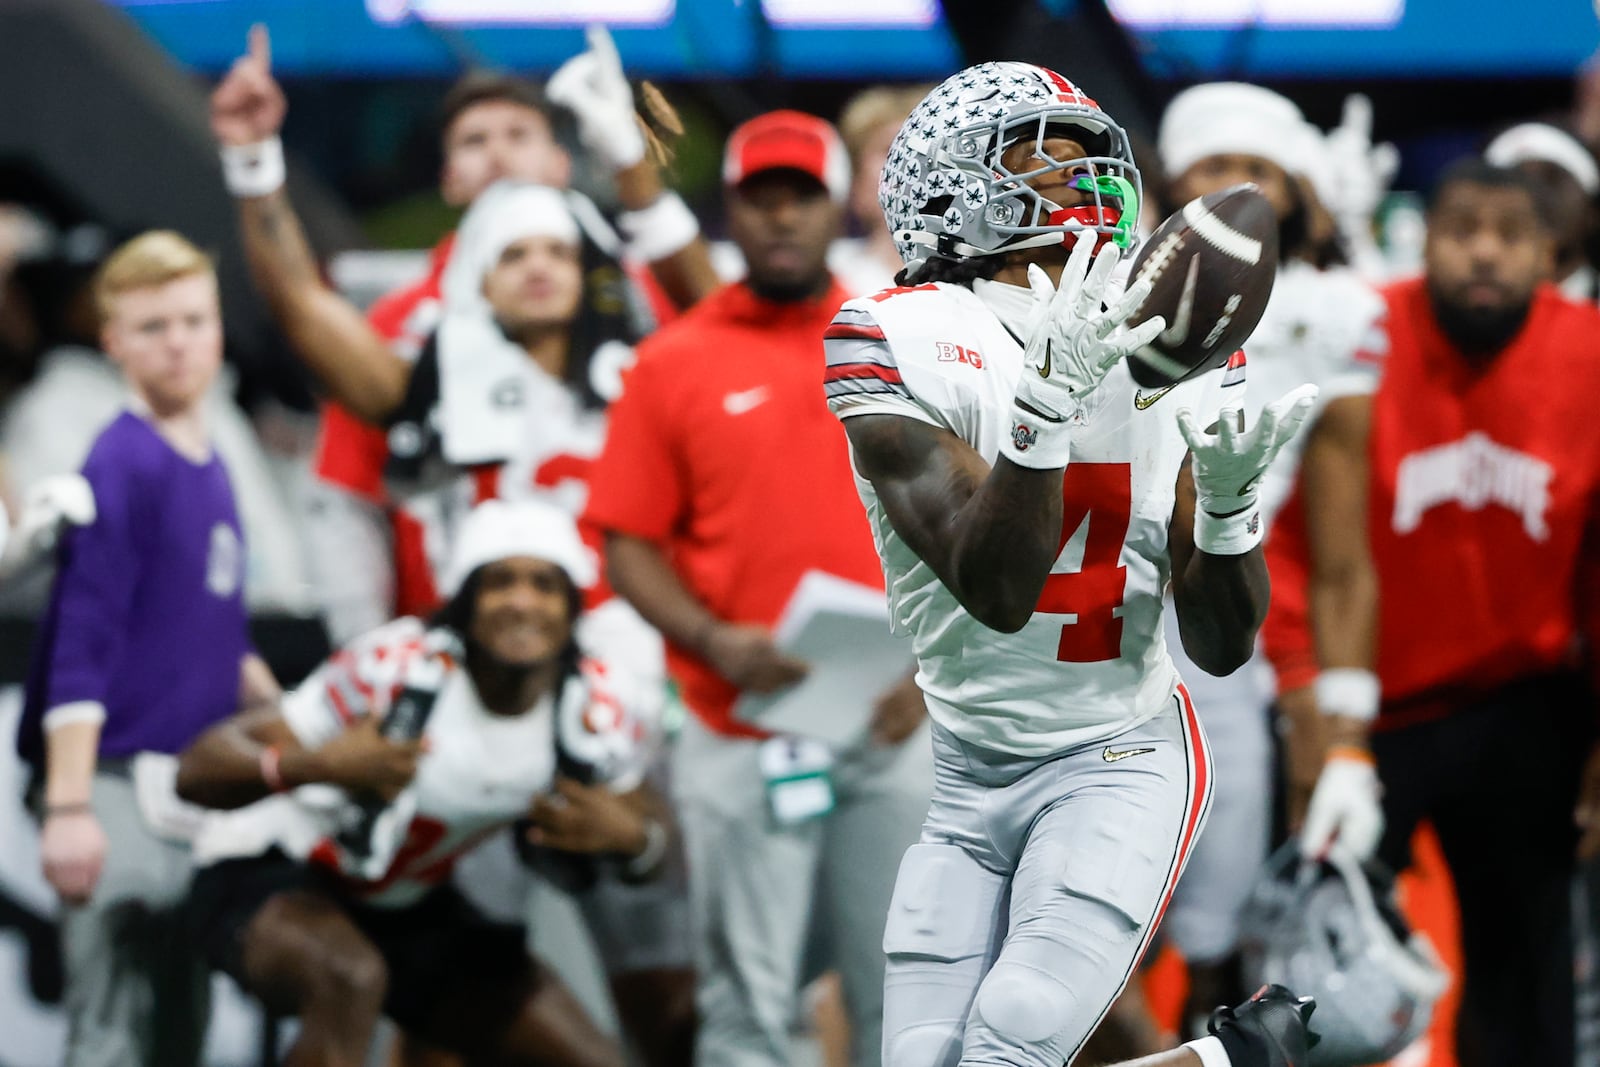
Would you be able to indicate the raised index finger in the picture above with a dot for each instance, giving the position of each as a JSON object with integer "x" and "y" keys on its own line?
{"x": 1357, "y": 116}
{"x": 603, "y": 47}
{"x": 261, "y": 45}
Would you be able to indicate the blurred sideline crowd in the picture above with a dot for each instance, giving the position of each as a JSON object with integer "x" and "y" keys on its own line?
{"x": 594, "y": 442}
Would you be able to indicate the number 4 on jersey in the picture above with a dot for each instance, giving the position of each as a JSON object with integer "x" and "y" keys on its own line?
{"x": 1099, "y": 495}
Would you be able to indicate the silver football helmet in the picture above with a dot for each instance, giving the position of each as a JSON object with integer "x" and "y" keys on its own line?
{"x": 1321, "y": 930}
{"x": 945, "y": 190}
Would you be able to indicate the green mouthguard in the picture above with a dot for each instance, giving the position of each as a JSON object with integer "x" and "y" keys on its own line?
{"x": 1114, "y": 185}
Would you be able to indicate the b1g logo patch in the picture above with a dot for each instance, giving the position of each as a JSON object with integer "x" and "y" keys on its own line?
{"x": 224, "y": 562}
{"x": 953, "y": 353}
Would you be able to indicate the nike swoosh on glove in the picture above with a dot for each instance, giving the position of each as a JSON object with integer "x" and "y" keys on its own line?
{"x": 1074, "y": 338}
{"x": 594, "y": 88}
{"x": 1345, "y": 811}
{"x": 1228, "y": 465}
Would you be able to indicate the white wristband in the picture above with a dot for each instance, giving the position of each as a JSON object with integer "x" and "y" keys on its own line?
{"x": 1038, "y": 443}
{"x": 1210, "y": 1051}
{"x": 1348, "y": 691}
{"x": 664, "y": 228}
{"x": 1233, "y": 535}
{"x": 252, "y": 170}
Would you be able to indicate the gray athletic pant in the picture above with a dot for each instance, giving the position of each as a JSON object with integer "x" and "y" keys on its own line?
{"x": 1036, "y": 887}
{"x": 136, "y": 994}
{"x": 1203, "y": 921}
{"x": 754, "y": 888}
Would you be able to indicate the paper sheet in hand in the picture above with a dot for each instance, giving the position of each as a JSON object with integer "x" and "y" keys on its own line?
{"x": 842, "y": 630}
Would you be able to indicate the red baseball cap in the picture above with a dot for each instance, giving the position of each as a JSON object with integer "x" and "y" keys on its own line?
{"x": 789, "y": 140}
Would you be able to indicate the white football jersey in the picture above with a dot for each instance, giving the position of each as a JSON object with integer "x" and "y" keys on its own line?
{"x": 1320, "y": 327}
{"x": 1092, "y": 661}
{"x": 561, "y": 439}
{"x": 480, "y": 773}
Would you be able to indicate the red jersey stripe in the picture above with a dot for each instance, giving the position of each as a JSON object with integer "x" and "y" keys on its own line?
{"x": 846, "y": 371}
{"x": 855, "y": 331}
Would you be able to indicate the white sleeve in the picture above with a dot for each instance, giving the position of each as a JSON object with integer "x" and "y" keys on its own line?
{"x": 357, "y": 681}
{"x": 1359, "y": 374}
{"x": 1224, "y": 388}
{"x": 350, "y": 559}
{"x": 1359, "y": 362}
{"x": 862, "y": 376}
{"x": 644, "y": 714}
{"x": 625, "y": 722}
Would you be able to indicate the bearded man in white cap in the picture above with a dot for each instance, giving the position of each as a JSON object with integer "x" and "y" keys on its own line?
{"x": 1569, "y": 181}
{"x": 1319, "y": 327}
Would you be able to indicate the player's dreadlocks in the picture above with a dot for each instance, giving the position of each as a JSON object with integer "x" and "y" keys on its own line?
{"x": 963, "y": 271}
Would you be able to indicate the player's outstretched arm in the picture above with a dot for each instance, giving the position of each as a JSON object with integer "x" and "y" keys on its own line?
{"x": 990, "y": 534}
{"x": 329, "y": 333}
{"x": 256, "y": 753}
{"x": 1221, "y": 599}
{"x": 655, "y": 220}
{"x": 659, "y": 227}
{"x": 1343, "y": 589}
{"x": 1219, "y": 579}
{"x": 1343, "y": 583}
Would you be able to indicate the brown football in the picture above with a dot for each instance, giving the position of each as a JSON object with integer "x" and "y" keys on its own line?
{"x": 1211, "y": 266}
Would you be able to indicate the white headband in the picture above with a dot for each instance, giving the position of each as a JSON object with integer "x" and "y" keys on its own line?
{"x": 1547, "y": 144}
{"x": 500, "y": 529}
{"x": 1224, "y": 118}
{"x": 503, "y": 214}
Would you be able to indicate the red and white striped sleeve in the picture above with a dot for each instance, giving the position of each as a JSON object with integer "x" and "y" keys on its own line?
{"x": 861, "y": 375}
{"x": 358, "y": 680}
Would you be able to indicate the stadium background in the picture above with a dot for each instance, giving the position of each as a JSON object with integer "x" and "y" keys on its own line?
{"x": 102, "y": 132}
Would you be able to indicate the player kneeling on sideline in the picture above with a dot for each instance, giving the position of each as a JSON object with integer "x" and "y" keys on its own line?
{"x": 328, "y": 895}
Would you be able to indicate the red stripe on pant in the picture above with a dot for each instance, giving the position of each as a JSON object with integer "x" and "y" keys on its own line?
{"x": 1194, "y": 813}
{"x": 1195, "y": 810}
{"x": 1198, "y": 799}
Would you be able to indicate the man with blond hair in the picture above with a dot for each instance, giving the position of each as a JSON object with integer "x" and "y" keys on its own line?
{"x": 144, "y": 645}
{"x": 867, "y": 125}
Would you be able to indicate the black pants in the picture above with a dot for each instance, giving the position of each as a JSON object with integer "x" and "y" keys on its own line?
{"x": 1498, "y": 779}
{"x": 438, "y": 951}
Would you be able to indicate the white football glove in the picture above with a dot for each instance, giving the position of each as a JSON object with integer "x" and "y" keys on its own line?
{"x": 1228, "y": 466}
{"x": 48, "y": 507}
{"x": 1362, "y": 171}
{"x": 594, "y": 88}
{"x": 1344, "y": 812}
{"x": 1073, "y": 340}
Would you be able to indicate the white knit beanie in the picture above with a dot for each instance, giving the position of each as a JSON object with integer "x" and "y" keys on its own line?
{"x": 1547, "y": 144}
{"x": 1234, "y": 118}
{"x": 500, "y": 529}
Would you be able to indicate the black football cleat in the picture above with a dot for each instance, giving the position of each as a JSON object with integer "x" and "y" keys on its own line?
{"x": 1271, "y": 1029}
